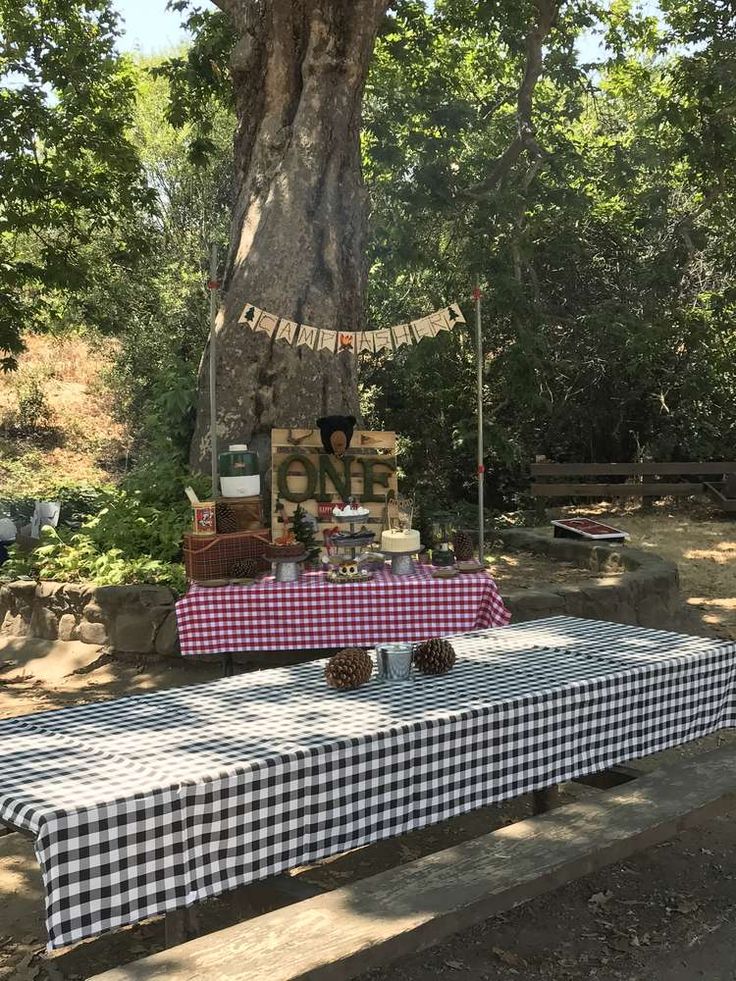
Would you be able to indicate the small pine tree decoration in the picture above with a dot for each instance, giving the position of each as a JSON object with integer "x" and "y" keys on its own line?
{"x": 304, "y": 531}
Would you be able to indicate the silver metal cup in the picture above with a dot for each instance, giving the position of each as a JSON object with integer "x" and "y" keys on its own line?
{"x": 394, "y": 661}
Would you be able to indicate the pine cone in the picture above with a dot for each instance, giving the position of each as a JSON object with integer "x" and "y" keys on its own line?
{"x": 463, "y": 545}
{"x": 244, "y": 569}
{"x": 434, "y": 656}
{"x": 227, "y": 520}
{"x": 349, "y": 668}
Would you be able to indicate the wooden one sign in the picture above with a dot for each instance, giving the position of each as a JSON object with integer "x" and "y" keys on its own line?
{"x": 302, "y": 473}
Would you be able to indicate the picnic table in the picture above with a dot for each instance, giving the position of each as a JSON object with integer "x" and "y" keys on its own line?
{"x": 314, "y": 614}
{"x": 153, "y": 802}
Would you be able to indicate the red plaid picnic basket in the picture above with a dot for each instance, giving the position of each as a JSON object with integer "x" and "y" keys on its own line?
{"x": 213, "y": 557}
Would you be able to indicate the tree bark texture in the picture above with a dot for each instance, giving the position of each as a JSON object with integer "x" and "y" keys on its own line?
{"x": 297, "y": 235}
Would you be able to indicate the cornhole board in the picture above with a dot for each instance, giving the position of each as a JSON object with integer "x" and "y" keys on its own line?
{"x": 587, "y": 528}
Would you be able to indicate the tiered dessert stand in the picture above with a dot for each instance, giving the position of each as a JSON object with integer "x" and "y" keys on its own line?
{"x": 351, "y": 549}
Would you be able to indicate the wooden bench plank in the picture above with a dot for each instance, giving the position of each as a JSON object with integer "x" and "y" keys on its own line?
{"x": 614, "y": 490}
{"x": 371, "y": 922}
{"x": 629, "y": 469}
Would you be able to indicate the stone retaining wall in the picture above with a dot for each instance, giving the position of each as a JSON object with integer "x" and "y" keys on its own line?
{"x": 644, "y": 590}
{"x": 126, "y": 619}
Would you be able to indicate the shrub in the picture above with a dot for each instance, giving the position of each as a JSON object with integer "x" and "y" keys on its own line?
{"x": 135, "y": 535}
{"x": 33, "y": 406}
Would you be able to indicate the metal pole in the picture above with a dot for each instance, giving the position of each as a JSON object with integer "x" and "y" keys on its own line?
{"x": 213, "y": 285}
{"x": 481, "y": 466}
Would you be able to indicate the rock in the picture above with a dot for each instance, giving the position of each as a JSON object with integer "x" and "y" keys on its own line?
{"x": 167, "y": 638}
{"x": 44, "y": 624}
{"x": 93, "y": 613}
{"x": 156, "y": 614}
{"x": 132, "y": 633}
{"x": 77, "y": 594}
{"x": 23, "y": 589}
{"x": 111, "y": 598}
{"x": 93, "y": 633}
{"x": 14, "y": 626}
{"x": 45, "y": 590}
{"x": 156, "y": 596}
{"x": 68, "y": 627}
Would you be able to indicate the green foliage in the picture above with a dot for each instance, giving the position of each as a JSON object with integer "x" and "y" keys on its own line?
{"x": 33, "y": 406}
{"x": 68, "y": 170}
{"x": 607, "y": 266}
{"x": 199, "y": 80}
{"x": 77, "y": 503}
{"x": 158, "y": 308}
{"x": 606, "y": 262}
{"x": 305, "y": 532}
{"x": 135, "y": 535}
{"x": 77, "y": 558}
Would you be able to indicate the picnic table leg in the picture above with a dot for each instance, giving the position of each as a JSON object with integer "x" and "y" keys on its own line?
{"x": 180, "y": 925}
{"x": 228, "y": 668}
{"x": 543, "y": 800}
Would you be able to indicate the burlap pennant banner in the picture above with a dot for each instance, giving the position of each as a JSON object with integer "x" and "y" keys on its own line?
{"x": 335, "y": 341}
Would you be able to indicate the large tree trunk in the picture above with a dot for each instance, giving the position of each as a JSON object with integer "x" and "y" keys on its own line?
{"x": 297, "y": 236}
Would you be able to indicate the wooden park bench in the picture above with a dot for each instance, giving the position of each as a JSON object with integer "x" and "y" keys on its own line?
{"x": 345, "y": 932}
{"x": 634, "y": 479}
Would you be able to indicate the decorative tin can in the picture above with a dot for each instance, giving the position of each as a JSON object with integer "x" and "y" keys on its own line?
{"x": 239, "y": 472}
{"x": 203, "y": 518}
{"x": 394, "y": 661}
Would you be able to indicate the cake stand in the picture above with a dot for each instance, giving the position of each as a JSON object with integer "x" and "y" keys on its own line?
{"x": 287, "y": 569}
{"x": 401, "y": 562}
{"x": 352, "y": 549}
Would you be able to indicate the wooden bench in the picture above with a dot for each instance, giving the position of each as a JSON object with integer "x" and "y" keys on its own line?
{"x": 723, "y": 493}
{"x": 553, "y": 479}
{"x": 343, "y": 933}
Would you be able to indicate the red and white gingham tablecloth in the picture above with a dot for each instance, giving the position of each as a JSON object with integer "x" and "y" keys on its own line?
{"x": 312, "y": 613}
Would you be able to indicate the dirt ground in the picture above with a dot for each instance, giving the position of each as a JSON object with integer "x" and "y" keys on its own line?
{"x": 669, "y": 914}
{"x": 702, "y": 544}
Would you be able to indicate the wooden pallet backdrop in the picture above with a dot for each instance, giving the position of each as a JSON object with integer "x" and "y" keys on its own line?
{"x": 301, "y": 467}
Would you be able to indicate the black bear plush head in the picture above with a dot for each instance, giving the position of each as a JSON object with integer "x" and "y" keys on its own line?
{"x": 336, "y": 432}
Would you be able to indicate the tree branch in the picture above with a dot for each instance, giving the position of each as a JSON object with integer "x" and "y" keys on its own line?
{"x": 525, "y": 139}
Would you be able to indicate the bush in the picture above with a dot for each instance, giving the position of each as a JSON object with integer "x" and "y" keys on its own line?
{"x": 134, "y": 537}
{"x": 78, "y": 502}
{"x": 33, "y": 406}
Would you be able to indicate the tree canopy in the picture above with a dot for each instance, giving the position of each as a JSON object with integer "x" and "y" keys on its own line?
{"x": 68, "y": 169}
{"x": 595, "y": 203}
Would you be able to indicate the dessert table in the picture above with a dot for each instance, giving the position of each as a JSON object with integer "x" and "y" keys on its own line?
{"x": 153, "y": 802}
{"x": 314, "y": 614}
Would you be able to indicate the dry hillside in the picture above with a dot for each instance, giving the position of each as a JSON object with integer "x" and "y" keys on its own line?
{"x": 56, "y": 419}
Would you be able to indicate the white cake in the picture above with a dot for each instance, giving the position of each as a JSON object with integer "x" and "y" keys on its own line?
{"x": 400, "y": 540}
{"x": 356, "y": 512}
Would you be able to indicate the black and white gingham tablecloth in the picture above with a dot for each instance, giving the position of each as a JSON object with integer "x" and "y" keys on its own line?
{"x": 152, "y": 802}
